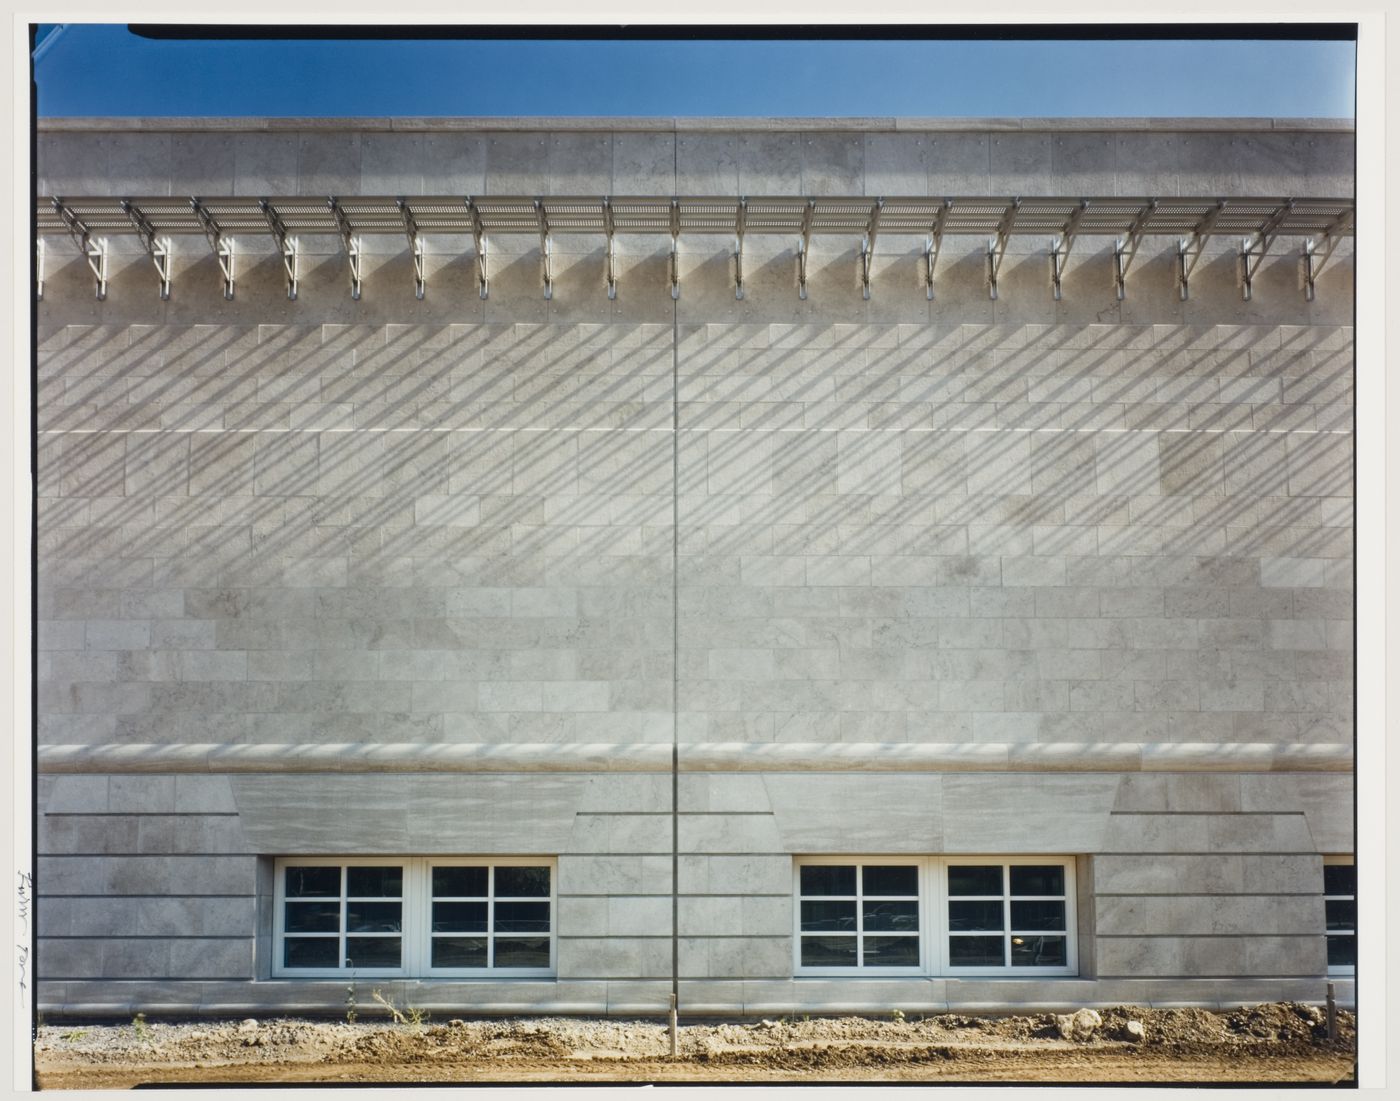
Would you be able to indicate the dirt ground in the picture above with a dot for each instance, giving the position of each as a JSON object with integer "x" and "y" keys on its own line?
{"x": 1279, "y": 1042}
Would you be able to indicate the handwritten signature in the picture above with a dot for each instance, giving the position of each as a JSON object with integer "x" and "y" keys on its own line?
{"x": 26, "y": 890}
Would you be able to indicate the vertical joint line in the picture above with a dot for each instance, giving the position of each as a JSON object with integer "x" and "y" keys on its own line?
{"x": 675, "y": 609}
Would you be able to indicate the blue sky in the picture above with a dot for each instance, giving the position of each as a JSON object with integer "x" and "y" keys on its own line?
{"x": 105, "y": 70}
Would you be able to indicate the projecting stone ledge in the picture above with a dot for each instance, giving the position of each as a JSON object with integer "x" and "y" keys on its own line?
{"x": 699, "y": 757}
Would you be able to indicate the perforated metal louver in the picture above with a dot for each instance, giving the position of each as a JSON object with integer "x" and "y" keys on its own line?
{"x": 370, "y": 215}
{"x": 1257, "y": 221}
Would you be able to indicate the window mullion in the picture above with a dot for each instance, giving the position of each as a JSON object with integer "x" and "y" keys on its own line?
{"x": 341, "y": 963}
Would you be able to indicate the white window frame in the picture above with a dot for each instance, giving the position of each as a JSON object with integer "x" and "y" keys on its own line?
{"x": 1341, "y": 970}
{"x": 415, "y": 956}
{"x": 933, "y": 916}
{"x": 861, "y": 968}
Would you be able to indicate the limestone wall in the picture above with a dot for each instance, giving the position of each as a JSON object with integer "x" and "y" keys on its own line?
{"x": 1092, "y": 558}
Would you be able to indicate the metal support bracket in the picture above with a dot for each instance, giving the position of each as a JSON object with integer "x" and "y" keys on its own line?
{"x": 39, "y": 268}
{"x": 1125, "y": 248}
{"x": 222, "y": 246}
{"x": 996, "y": 246}
{"x": 1060, "y": 246}
{"x": 1254, "y": 248}
{"x": 740, "y": 216}
{"x": 546, "y": 248}
{"x": 675, "y": 249}
{"x": 94, "y": 252}
{"x": 157, "y": 248}
{"x": 286, "y": 246}
{"x": 352, "y": 246}
{"x": 867, "y": 247}
{"x": 1312, "y": 265}
{"x": 934, "y": 245}
{"x": 804, "y": 247}
{"x": 410, "y": 228}
{"x": 1189, "y": 249}
{"x": 483, "y": 287}
{"x": 610, "y": 230}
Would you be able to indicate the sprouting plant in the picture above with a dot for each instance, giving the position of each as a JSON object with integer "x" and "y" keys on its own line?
{"x": 351, "y": 1005}
{"x": 897, "y": 1015}
{"x": 411, "y": 1016}
{"x": 141, "y": 1029}
{"x": 75, "y": 1034}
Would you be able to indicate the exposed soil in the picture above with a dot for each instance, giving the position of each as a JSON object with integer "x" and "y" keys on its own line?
{"x": 1266, "y": 1043}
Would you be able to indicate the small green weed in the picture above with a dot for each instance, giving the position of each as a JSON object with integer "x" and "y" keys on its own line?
{"x": 410, "y": 1016}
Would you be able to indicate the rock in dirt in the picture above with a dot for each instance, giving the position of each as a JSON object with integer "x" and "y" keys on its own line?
{"x": 1079, "y": 1026}
{"x": 1136, "y": 1032}
{"x": 248, "y": 1024}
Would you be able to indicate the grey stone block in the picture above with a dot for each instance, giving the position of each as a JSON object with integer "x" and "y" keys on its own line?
{"x": 1324, "y": 799}
{"x": 735, "y": 875}
{"x": 1010, "y": 812}
{"x": 855, "y": 813}
{"x": 608, "y": 957}
{"x": 212, "y": 959}
{"x": 1129, "y": 874}
{"x": 735, "y": 957}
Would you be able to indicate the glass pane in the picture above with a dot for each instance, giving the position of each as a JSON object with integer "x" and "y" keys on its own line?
{"x": 1037, "y": 879}
{"x": 522, "y": 883}
{"x": 891, "y": 952}
{"x": 974, "y": 879}
{"x": 1038, "y": 951}
{"x": 522, "y": 952}
{"x": 900, "y": 879}
{"x": 1341, "y": 951}
{"x": 373, "y": 917}
{"x": 459, "y": 951}
{"x": 374, "y": 882}
{"x": 522, "y": 917}
{"x": 829, "y": 951}
{"x": 828, "y": 879}
{"x": 1339, "y": 879}
{"x": 1038, "y": 915}
{"x": 459, "y": 917}
{"x": 972, "y": 916}
{"x": 371, "y": 951}
{"x": 829, "y": 917}
{"x": 459, "y": 882}
{"x": 891, "y": 917}
{"x": 975, "y": 952}
{"x": 1341, "y": 913}
{"x": 323, "y": 882}
{"x": 313, "y": 917}
{"x": 311, "y": 952}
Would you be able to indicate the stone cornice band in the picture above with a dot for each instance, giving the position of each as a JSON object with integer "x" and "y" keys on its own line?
{"x": 698, "y": 757}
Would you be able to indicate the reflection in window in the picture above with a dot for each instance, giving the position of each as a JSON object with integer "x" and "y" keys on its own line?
{"x": 1339, "y": 901}
{"x": 858, "y": 915}
{"x": 414, "y": 916}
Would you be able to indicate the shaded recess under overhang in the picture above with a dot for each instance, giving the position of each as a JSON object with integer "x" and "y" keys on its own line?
{"x": 1257, "y": 222}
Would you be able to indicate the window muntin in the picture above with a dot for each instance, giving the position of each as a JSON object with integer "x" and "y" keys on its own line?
{"x": 1339, "y": 902}
{"x": 414, "y": 916}
{"x": 496, "y": 917}
{"x": 338, "y": 916}
{"x": 1009, "y": 916}
{"x": 861, "y": 915}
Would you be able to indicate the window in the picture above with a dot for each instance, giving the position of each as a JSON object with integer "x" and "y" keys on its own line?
{"x": 859, "y": 915}
{"x": 946, "y": 916}
{"x": 429, "y": 916}
{"x": 1339, "y": 900}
